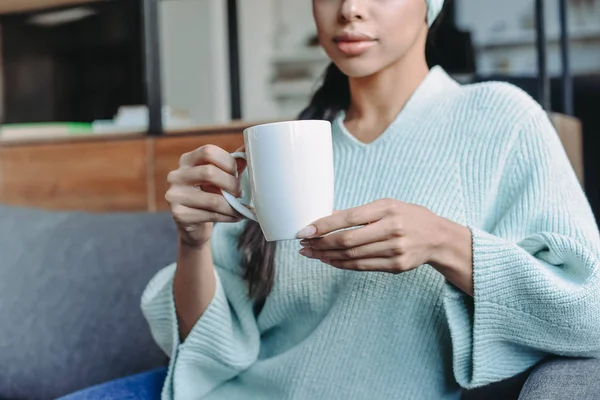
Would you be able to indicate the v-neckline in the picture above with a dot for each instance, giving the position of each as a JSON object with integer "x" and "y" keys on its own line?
{"x": 341, "y": 124}
{"x": 435, "y": 82}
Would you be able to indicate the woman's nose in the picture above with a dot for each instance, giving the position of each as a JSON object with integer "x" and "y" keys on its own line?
{"x": 353, "y": 10}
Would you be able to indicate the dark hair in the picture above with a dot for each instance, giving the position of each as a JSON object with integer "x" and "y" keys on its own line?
{"x": 258, "y": 255}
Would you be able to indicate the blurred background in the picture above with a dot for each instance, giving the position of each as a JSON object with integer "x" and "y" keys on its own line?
{"x": 89, "y": 68}
{"x": 99, "y": 99}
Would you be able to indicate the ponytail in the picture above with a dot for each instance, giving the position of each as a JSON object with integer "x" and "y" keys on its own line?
{"x": 332, "y": 97}
{"x": 258, "y": 255}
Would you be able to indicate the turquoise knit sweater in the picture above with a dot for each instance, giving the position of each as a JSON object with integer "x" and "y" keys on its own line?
{"x": 485, "y": 156}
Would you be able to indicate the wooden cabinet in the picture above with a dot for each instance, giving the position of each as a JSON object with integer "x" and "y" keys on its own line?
{"x": 76, "y": 176}
{"x": 98, "y": 174}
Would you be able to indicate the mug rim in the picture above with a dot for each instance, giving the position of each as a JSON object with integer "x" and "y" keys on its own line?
{"x": 297, "y": 121}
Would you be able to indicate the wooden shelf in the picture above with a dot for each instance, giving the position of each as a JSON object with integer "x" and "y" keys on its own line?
{"x": 18, "y": 6}
{"x": 122, "y": 174}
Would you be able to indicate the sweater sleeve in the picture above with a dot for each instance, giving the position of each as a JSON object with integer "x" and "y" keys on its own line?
{"x": 536, "y": 268}
{"x": 225, "y": 340}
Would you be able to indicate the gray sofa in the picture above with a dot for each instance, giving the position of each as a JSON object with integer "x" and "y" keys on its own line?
{"x": 70, "y": 286}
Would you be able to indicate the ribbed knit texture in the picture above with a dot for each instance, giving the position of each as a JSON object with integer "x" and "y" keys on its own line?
{"x": 485, "y": 156}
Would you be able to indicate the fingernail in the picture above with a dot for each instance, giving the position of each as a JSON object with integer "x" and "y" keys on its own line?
{"x": 307, "y": 232}
{"x": 306, "y": 252}
{"x": 305, "y": 243}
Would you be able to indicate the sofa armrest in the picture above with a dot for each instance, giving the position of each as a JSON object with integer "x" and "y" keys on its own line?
{"x": 563, "y": 378}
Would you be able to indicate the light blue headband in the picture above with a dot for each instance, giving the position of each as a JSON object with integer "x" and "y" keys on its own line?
{"x": 434, "y": 7}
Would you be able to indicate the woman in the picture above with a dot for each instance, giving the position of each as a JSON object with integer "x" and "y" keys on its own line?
{"x": 475, "y": 256}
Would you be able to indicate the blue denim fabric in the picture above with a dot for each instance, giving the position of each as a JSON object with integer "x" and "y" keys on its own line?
{"x": 146, "y": 386}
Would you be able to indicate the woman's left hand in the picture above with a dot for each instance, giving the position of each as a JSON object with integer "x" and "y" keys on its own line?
{"x": 391, "y": 236}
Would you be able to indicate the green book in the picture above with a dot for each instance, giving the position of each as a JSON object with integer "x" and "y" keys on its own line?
{"x": 44, "y": 130}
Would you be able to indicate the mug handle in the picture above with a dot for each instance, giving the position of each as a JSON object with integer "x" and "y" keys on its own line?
{"x": 233, "y": 201}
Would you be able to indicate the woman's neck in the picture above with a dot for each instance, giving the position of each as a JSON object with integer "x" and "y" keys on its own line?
{"x": 378, "y": 99}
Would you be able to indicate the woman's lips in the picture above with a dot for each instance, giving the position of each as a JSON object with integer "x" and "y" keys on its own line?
{"x": 354, "y": 44}
{"x": 355, "y": 48}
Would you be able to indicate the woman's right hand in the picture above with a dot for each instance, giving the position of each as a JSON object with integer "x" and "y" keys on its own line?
{"x": 195, "y": 192}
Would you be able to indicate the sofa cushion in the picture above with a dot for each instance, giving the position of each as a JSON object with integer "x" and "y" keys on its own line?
{"x": 564, "y": 378}
{"x": 70, "y": 288}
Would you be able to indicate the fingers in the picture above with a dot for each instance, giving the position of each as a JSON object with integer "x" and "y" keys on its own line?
{"x": 192, "y": 217}
{"x": 346, "y": 219}
{"x": 193, "y": 199}
{"x": 384, "y": 249}
{"x": 372, "y": 264}
{"x": 349, "y": 238}
{"x": 203, "y": 175}
{"x": 210, "y": 154}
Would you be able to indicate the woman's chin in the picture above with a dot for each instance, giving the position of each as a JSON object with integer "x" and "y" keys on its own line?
{"x": 356, "y": 68}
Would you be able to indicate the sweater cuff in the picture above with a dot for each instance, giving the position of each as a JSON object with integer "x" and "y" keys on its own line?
{"x": 482, "y": 327}
{"x": 203, "y": 357}
{"x": 497, "y": 265}
{"x": 158, "y": 307}
{"x": 206, "y": 336}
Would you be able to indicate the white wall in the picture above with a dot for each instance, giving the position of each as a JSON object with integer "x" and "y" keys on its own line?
{"x": 294, "y": 24}
{"x": 257, "y": 23}
{"x": 195, "y": 59}
{"x": 195, "y": 66}
{"x": 269, "y": 28}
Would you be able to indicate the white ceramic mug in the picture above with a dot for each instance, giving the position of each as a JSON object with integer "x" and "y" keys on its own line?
{"x": 291, "y": 177}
